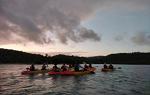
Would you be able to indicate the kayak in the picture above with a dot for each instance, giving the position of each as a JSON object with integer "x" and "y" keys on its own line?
{"x": 69, "y": 73}
{"x": 34, "y": 72}
{"x": 107, "y": 70}
{"x": 89, "y": 71}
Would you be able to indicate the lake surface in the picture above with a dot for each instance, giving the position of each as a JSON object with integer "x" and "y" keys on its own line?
{"x": 129, "y": 80}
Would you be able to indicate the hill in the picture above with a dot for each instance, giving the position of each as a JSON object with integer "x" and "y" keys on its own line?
{"x": 13, "y": 56}
{"x": 128, "y": 58}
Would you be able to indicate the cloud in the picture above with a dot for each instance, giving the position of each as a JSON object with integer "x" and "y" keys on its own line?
{"x": 90, "y": 34}
{"x": 141, "y": 38}
{"x": 30, "y": 19}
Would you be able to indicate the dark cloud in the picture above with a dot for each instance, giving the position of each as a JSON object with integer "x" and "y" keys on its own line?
{"x": 141, "y": 38}
{"x": 90, "y": 34}
{"x": 30, "y": 19}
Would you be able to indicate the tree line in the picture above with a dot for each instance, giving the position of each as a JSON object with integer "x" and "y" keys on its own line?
{"x": 13, "y": 56}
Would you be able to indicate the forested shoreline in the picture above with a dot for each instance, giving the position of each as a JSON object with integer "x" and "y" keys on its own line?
{"x": 13, "y": 56}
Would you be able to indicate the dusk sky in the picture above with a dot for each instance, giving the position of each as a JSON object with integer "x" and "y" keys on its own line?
{"x": 75, "y": 27}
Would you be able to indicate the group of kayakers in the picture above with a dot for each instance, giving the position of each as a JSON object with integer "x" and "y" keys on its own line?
{"x": 64, "y": 67}
{"x": 71, "y": 67}
{"x": 108, "y": 67}
{"x": 32, "y": 67}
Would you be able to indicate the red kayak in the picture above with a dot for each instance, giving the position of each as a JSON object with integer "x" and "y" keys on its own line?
{"x": 89, "y": 71}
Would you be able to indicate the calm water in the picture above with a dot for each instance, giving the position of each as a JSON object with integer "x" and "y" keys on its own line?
{"x": 130, "y": 80}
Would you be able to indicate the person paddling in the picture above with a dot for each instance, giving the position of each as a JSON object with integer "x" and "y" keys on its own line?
{"x": 105, "y": 66}
{"x": 76, "y": 67}
{"x": 71, "y": 67}
{"x": 85, "y": 67}
{"x": 90, "y": 65}
{"x": 55, "y": 68}
{"x": 43, "y": 67}
{"x": 32, "y": 68}
{"x": 111, "y": 66}
{"x": 64, "y": 67}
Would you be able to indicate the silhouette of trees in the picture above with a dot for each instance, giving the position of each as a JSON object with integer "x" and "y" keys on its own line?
{"x": 128, "y": 58}
{"x": 13, "y": 56}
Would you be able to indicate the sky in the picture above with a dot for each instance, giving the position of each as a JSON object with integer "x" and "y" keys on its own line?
{"x": 75, "y": 27}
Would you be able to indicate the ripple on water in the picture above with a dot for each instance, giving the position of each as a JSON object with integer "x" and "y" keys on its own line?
{"x": 120, "y": 82}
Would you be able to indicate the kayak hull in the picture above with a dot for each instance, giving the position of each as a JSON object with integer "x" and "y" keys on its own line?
{"x": 69, "y": 73}
{"x": 60, "y": 73}
{"x": 107, "y": 70}
{"x": 90, "y": 71}
{"x": 34, "y": 72}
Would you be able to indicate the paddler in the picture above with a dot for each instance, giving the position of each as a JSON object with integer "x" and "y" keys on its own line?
{"x": 105, "y": 66}
{"x": 43, "y": 67}
{"x": 90, "y": 65}
{"x": 71, "y": 67}
{"x": 64, "y": 67}
{"x": 76, "y": 67}
{"x": 55, "y": 68}
{"x": 111, "y": 66}
{"x": 32, "y": 68}
{"x": 85, "y": 67}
